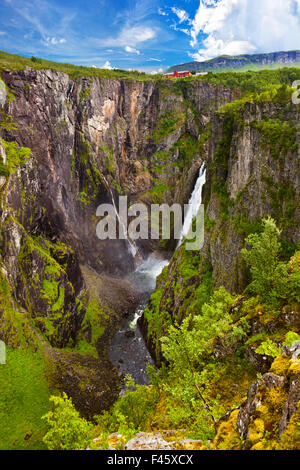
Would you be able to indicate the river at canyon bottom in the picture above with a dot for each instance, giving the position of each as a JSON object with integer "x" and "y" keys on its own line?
{"x": 128, "y": 351}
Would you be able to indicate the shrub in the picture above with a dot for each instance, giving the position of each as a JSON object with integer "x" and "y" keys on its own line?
{"x": 67, "y": 430}
{"x": 269, "y": 276}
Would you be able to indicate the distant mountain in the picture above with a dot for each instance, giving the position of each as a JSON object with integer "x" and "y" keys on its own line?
{"x": 251, "y": 61}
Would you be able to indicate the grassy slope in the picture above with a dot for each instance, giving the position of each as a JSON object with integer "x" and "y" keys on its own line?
{"x": 17, "y": 62}
{"x": 24, "y": 398}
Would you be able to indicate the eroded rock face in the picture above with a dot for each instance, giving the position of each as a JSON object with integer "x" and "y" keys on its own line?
{"x": 250, "y": 175}
{"x": 90, "y": 140}
{"x": 254, "y": 400}
{"x": 272, "y": 401}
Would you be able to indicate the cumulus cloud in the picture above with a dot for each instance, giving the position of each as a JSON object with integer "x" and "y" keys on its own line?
{"x": 132, "y": 50}
{"x": 107, "y": 65}
{"x": 131, "y": 36}
{"x": 235, "y": 27}
{"x": 155, "y": 72}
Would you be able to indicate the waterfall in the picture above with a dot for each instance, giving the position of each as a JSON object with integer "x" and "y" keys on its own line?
{"x": 129, "y": 338}
{"x": 194, "y": 204}
{"x": 132, "y": 249}
{"x": 70, "y": 92}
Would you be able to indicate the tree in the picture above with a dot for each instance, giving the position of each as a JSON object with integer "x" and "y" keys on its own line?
{"x": 68, "y": 431}
{"x": 187, "y": 349}
{"x": 269, "y": 275}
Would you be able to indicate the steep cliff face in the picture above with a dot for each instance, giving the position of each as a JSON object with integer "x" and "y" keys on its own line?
{"x": 89, "y": 139}
{"x": 88, "y": 135}
{"x": 93, "y": 138}
{"x": 252, "y": 161}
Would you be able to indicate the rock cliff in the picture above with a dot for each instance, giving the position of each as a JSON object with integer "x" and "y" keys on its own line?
{"x": 68, "y": 146}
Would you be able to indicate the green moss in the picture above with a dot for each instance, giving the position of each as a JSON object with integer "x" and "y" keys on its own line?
{"x": 15, "y": 327}
{"x": 220, "y": 166}
{"x": 290, "y": 439}
{"x": 284, "y": 200}
{"x": 84, "y": 94}
{"x": 50, "y": 314}
{"x": 94, "y": 325}
{"x": 190, "y": 288}
{"x": 15, "y": 155}
{"x": 168, "y": 123}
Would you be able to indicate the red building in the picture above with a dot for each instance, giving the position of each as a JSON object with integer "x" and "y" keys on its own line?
{"x": 176, "y": 74}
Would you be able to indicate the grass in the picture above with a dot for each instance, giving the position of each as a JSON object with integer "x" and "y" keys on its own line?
{"x": 17, "y": 62}
{"x": 24, "y": 399}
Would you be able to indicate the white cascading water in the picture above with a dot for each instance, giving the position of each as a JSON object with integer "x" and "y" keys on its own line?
{"x": 132, "y": 249}
{"x": 194, "y": 204}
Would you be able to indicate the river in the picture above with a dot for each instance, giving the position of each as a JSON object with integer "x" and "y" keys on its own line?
{"x": 128, "y": 351}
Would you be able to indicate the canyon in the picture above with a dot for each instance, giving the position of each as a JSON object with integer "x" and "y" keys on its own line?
{"x": 91, "y": 139}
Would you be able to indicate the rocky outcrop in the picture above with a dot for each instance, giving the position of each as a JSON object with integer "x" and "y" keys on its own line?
{"x": 92, "y": 384}
{"x": 269, "y": 414}
{"x": 164, "y": 440}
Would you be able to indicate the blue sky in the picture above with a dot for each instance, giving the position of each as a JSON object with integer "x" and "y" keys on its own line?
{"x": 146, "y": 35}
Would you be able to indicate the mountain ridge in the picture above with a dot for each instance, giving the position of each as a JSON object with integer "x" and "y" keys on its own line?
{"x": 238, "y": 62}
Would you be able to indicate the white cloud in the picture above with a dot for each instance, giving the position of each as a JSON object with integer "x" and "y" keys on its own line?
{"x": 181, "y": 14}
{"x": 155, "y": 72}
{"x": 2, "y": 33}
{"x": 132, "y": 50}
{"x": 235, "y": 27}
{"x": 130, "y": 36}
{"x": 53, "y": 41}
{"x": 107, "y": 65}
{"x": 153, "y": 59}
{"x": 162, "y": 12}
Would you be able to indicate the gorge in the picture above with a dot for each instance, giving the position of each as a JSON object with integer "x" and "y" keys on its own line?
{"x": 72, "y": 301}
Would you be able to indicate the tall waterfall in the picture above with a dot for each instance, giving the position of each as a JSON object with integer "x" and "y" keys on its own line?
{"x": 129, "y": 338}
{"x": 131, "y": 247}
{"x": 194, "y": 203}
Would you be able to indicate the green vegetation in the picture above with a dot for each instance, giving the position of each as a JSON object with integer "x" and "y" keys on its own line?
{"x": 270, "y": 281}
{"x": 67, "y": 430}
{"x": 278, "y": 136}
{"x": 253, "y": 81}
{"x": 192, "y": 286}
{"x": 205, "y": 373}
{"x": 24, "y": 398}
{"x": 202, "y": 335}
{"x": 17, "y": 62}
{"x": 15, "y": 156}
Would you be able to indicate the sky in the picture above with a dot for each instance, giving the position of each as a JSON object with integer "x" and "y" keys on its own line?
{"x": 146, "y": 35}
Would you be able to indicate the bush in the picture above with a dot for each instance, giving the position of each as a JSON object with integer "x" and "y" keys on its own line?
{"x": 68, "y": 431}
{"x": 269, "y": 275}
